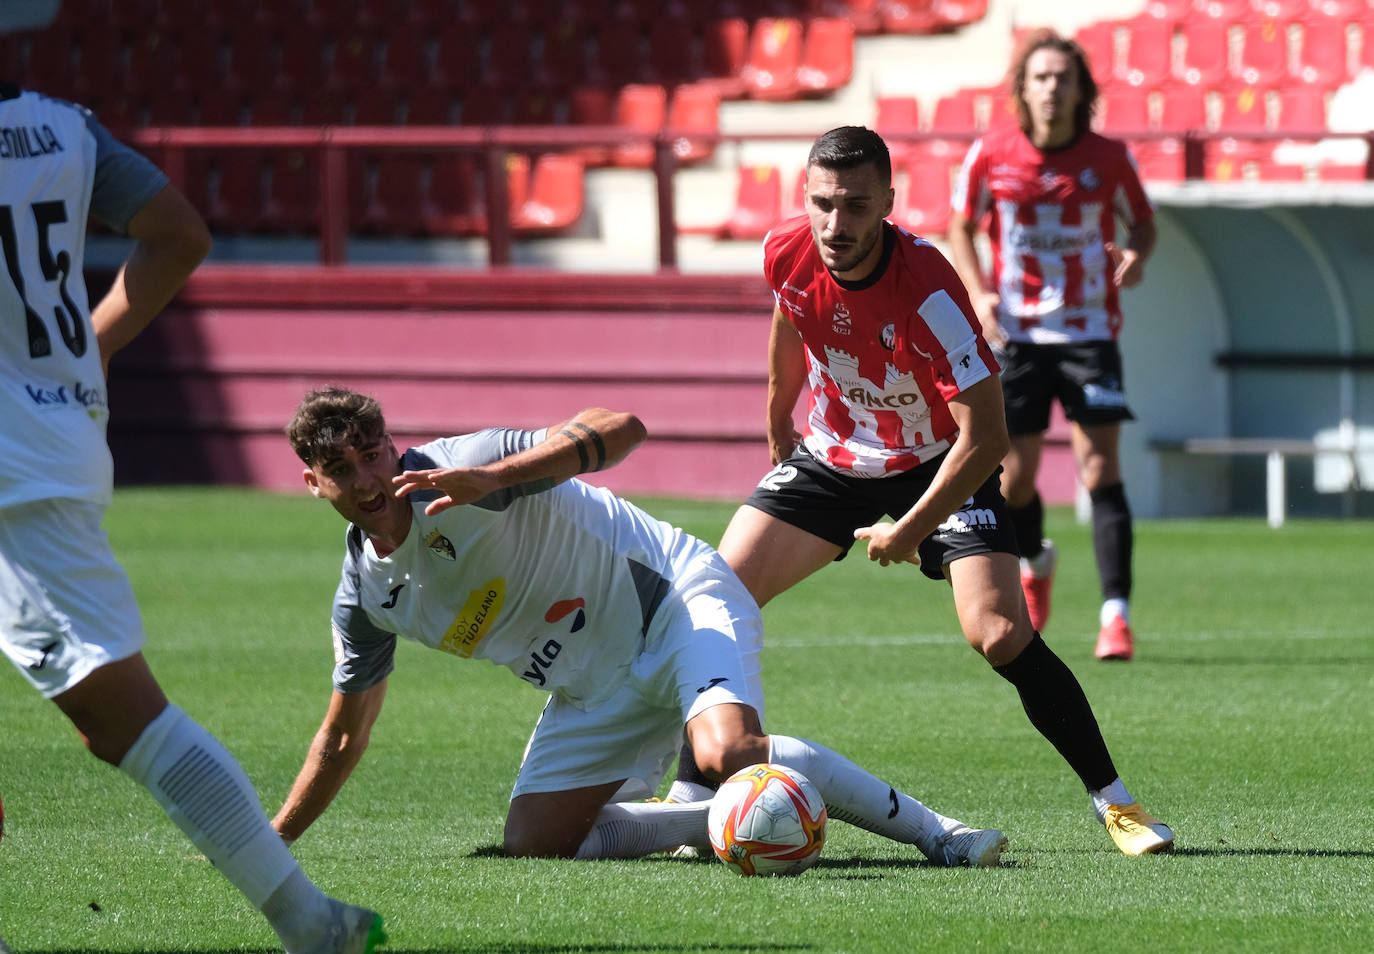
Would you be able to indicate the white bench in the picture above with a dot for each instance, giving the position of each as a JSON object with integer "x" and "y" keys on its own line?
{"x": 1274, "y": 449}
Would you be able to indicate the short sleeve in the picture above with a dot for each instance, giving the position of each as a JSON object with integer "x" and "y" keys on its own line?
{"x": 364, "y": 653}
{"x": 124, "y": 180}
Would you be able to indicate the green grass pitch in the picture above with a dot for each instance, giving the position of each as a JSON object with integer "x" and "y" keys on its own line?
{"x": 1244, "y": 722}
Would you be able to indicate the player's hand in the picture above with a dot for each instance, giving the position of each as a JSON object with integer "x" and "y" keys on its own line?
{"x": 783, "y": 444}
{"x": 985, "y": 308}
{"x": 459, "y": 485}
{"x": 885, "y": 546}
{"x": 1128, "y": 268}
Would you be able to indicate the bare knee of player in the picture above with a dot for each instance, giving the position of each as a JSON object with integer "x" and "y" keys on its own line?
{"x": 725, "y": 739}
{"x": 112, "y": 706}
{"x": 529, "y": 834}
{"x": 996, "y": 630}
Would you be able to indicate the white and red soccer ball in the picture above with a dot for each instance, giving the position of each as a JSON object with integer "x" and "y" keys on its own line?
{"x": 767, "y": 820}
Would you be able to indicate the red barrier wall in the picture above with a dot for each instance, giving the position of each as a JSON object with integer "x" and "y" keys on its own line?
{"x": 203, "y": 395}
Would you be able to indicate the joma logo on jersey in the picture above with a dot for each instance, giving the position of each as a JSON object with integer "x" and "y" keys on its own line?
{"x": 865, "y": 398}
{"x": 474, "y": 619}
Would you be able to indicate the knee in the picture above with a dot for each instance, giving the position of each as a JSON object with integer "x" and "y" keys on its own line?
{"x": 718, "y": 759}
{"x": 520, "y": 842}
{"x": 999, "y": 638}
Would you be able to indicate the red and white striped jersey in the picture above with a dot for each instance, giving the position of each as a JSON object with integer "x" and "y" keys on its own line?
{"x": 884, "y": 355}
{"x": 1052, "y": 211}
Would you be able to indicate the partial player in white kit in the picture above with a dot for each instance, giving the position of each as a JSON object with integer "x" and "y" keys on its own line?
{"x": 68, "y": 618}
{"x": 484, "y": 546}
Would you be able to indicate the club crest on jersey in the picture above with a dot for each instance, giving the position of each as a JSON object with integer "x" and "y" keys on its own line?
{"x": 888, "y": 336}
{"x": 1089, "y": 179}
{"x": 840, "y": 322}
{"x": 438, "y": 543}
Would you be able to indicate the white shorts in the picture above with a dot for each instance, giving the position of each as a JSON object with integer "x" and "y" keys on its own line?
{"x": 66, "y": 606}
{"x": 702, "y": 651}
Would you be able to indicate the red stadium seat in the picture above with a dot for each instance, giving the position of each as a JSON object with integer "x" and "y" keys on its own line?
{"x": 1098, "y": 41}
{"x": 954, "y": 113}
{"x": 909, "y": 16}
{"x": 508, "y": 56}
{"x": 324, "y": 106}
{"x": 199, "y": 60}
{"x": 457, "y": 64}
{"x": 1244, "y": 110}
{"x": 775, "y": 46}
{"x": 725, "y": 50}
{"x": 1267, "y": 170}
{"x": 642, "y": 107}
{"x": 1206, "y": 52}
{"x": 1264, "y": 53}
{"x": 354, "y": 62}
{"x": 1228, "y": 10}
{"x": 1149, "y": 52}
{"x": 794, "y": 197}
{"x": 376, "y": 106}
{"x": 1282, "y": 9}
{"x": 170, "y": 106}
{"x": 694, "y": 108}
{"x": 484, "y": 106}
{"x": 429, "y": 106}
{"x": 252, "y": 66}
{"x": 951, "y": 14}
{"x": 221, "y": 106}
{"x": 672, "y": 57}
{"x": 1336, "y": 172}
{"x": 394, "y": 196}
{"x": 827, "y": 59}
{"x": 455, "y": 204}
{"x": 1323, "y": 53}
{"x": 758, "y": 203}
{"x": 1302, "y": 108}
{"x": 1169, "y": 9}
{"x": 555, "y": 198}
{"x": 1159, "y": 160}
{"x": 535, "y": 105}
{"x": 404, "y": 61}
{"x": 563, "y": 57}
{"x": 1183, "y": 108}
{"x": 922, "y": 202}
{"x": 1232, "y": 160}
{"x": 621, "y": 53}
{"x": 301, "y": 63}
{"x": 234, "y": 194}
{"x": 865, "y": 15}
{"x": 895, "y": 116}
{"x": 1125, "y": 110}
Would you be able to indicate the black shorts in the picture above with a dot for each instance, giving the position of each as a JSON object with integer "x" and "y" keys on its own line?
{"x": 1086, "y": 378}
{"x": 814, "y": 497}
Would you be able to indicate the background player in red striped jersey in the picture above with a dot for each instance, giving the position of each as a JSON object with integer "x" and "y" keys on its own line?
{"x": 905, "y": 420}
{"x": 1052, "y": 190}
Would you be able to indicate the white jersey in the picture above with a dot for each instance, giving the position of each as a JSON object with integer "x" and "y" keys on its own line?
{"x": 57, "y": 166}
{"x": 559, "y": 584}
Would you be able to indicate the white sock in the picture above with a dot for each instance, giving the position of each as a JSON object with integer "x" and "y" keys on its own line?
{"x": 635, "y": 829}
{"x": 1113, "y": 608}
{"x": 1113, "y": 794}
{"x": 685, "y": 792}
{"x": 860, "y": 798}
{"x": 205, "y": 792}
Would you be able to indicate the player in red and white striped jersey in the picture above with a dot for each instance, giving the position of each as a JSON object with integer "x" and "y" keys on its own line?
{"x": 1052, "y": 191}
{"x": 905, "y": 420}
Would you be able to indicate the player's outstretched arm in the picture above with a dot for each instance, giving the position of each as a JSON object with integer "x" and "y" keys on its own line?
{"x": 334, "y": 753}
{"x": 592, "y": 440}
{"x": 172, "y": 240}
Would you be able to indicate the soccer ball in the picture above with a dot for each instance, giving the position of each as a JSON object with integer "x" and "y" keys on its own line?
{"x": 767, "y": 820}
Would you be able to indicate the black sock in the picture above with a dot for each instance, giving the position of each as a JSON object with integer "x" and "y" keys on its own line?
{"x": 687, "y": 770}
{"x": 1029, "y": 524}
{"x": 1113, "y": 540}
{"x": 1057, "y": 707}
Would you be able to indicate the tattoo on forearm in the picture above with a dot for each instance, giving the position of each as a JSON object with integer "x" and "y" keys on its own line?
{"x": 587, "y": 446}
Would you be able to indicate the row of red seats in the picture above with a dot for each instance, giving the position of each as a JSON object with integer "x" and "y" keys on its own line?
{"x": 277, "y": 192}
{"x": 1243, "y": 10}
{"x": 1147, "y": 52}
{"x": 763, "y": 199}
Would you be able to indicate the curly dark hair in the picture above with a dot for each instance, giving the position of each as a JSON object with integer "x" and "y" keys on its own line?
{"x": 1049, "y": 39}
{"x": 331, "y": 419}
{"x": 848, "y": 147}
